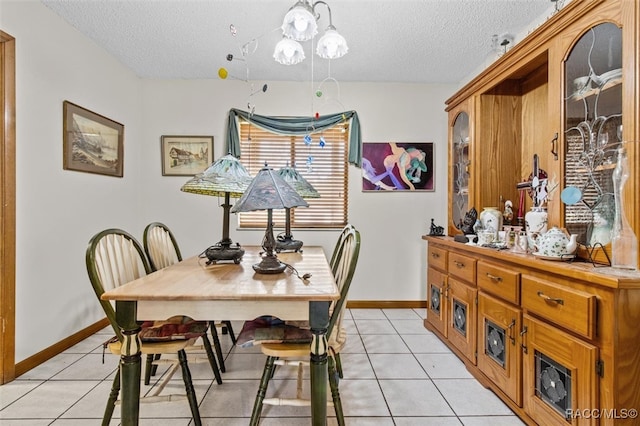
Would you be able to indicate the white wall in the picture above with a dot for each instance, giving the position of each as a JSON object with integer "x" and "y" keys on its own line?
{"x": 58, "y": 211}
{"x": 391, "y": 265}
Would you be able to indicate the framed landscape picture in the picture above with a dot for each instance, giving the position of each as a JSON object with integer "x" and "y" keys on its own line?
{"x": 91, "y": 142}
{"x": 397, "y": 166}
{"x": 186, "y": 155}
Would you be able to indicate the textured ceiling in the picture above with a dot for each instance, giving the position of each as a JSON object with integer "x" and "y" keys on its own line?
{"x": 427, "y": 41}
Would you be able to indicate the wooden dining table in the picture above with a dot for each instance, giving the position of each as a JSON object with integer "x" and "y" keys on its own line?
{"x": 232, "y": 292}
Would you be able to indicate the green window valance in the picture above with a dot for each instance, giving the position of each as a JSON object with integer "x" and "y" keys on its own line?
{"x": 296, "y": 126}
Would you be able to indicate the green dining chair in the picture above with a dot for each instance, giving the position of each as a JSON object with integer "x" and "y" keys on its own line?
{"x": 114, "y": 258}
{"x": 343, "y": 265}
{"x": 162, "y": 250}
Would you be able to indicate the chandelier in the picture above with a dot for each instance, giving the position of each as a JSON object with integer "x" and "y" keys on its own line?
{"x": 301, "y": 24}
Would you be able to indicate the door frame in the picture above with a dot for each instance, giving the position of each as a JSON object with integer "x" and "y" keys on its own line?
{"x": 7, "y": 207}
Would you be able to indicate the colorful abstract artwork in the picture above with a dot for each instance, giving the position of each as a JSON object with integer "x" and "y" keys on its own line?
{"x": 396, "y": 166}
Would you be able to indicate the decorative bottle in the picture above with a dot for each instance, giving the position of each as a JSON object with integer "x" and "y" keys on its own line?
{"x": 624, "y": 243}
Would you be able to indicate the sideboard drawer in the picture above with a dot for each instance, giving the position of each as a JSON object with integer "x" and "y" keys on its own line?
{"x": 462, "y": 267}
{"x": 501, "y": 282}
{"x": 572, "y": 309}
{"x": 437, "y": 258}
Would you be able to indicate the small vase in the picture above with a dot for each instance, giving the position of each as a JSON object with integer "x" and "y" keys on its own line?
{"x": 624, "y": 243}
{"x": 491, "y": 219}
{"x": 536, "y": 224}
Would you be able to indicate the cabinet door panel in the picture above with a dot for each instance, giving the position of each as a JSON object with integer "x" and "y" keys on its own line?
{"x": 436, "y": 304}
{"x": 499, "y": 354}
{"x": 462, "y": 318}
{"x": 558, "y": 375}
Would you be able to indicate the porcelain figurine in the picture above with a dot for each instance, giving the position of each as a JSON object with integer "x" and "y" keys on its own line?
{"x": 555, "y": 243}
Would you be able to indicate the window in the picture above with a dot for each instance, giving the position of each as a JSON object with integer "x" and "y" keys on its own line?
{"x": 327, "y": 173}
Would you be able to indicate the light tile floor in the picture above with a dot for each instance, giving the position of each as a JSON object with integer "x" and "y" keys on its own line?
{"x": 396, "y": 373}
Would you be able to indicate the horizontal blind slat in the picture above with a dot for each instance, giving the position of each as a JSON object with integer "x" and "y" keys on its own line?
{"x": 327, "y": 173}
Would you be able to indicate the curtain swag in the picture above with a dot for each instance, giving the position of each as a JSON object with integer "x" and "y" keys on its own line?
{"x": 296, "y": 126}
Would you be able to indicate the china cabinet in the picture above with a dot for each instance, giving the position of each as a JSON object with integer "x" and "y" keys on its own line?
{"x": 568, "y": 95}
{"x": 556, "y": 340}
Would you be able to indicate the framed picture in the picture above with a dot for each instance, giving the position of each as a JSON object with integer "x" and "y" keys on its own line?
{"x": 186, "y": 155}
{"x": 91, "y": 142}
{"x": 397, "y": 166}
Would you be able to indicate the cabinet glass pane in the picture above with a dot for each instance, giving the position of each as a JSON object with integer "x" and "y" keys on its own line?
{"x": 553, "y": 383}
{"x": 494, "y": 345}
{"x": 460, "y": 164}
{"x": 460, "y": 317}
{"x": 593, "y": 132}
{"x": 435, "y": 299}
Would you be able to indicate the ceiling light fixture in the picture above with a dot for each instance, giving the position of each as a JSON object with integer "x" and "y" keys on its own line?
{"x": 300, "y": 24}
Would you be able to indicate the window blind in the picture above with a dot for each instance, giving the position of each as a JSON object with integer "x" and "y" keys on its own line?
{"x": 325, "y": 168}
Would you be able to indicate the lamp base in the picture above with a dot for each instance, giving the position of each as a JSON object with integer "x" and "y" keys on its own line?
{"x": 269, "y": 265}
{"x": 223, "y": 251}
{"x": 287, "y": 243}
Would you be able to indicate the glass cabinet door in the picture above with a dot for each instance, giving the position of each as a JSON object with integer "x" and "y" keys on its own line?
{"x": 460, "y": 168}
{"x": 593, "y": 133}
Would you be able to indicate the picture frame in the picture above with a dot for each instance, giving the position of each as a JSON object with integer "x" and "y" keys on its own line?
{"x": 397, "y": 166}
{"x": 91, "y": 142}
{"x": 186, "y": 155}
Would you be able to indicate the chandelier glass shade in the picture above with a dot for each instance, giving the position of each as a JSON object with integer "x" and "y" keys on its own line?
{"x": 288, "y": 52}
{"x": 331, "y": 45}
{"x": 300, "y": 23}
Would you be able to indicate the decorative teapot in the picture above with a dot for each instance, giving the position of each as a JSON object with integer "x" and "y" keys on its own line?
{"x": 556, "y": 243}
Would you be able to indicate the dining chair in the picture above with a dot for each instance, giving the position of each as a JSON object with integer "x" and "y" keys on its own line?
{"x": 343, "y": 264}
{"x": 162, "y": 250}
{"x": 114, "y": 258}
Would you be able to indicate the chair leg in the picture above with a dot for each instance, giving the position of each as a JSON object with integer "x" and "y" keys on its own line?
{"x": 113, "y": 397}
{"x": 339, "y": 365}
{"x": 188, "y": 385}
{"x": 154, "y": 367}
{"x": 147, "y": 369}
{"x": 212, "y": 358}
{"x": 216, "y": 345}
{"x": 335, "y": 393}
{"x": 229, "y": 328}
{"x": 267, "y": 373}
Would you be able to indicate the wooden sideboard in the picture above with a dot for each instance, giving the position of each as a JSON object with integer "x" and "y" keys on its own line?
{"x": 558, "y": 342}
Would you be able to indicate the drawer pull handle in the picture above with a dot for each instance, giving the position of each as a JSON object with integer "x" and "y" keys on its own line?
{"x": 494, "y": 278}
{"x": 435, "y": 255}
{"x": 551, "y": 299}
{"x": 459, "y": 264}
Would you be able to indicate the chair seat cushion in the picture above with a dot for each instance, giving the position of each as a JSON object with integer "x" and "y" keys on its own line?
{"x": 270, "y": 329}
{"x": 175, "y": 328}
